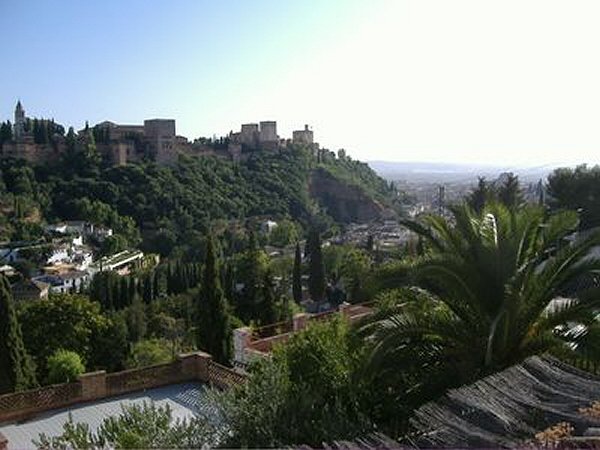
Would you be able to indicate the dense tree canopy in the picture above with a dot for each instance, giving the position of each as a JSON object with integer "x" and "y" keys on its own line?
{"x": 72, "y": 322}
{"x": 173, "y": 205}
{"x": 577, "y": 189}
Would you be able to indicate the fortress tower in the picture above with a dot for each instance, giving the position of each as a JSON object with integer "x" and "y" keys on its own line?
{"x": 19, "y": 127}
{"x": 303, "y": 136}
{"x": 249, "y": 134}
{"x": 160, "y": 136}
{"x": 268, "y": 132}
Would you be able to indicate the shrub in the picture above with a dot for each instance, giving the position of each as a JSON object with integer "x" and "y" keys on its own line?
{"x": 307, "y": 393}
{"x": 64, "y": 366}
{"x": 138, "y": 426}
{"x": 149, "y": 352}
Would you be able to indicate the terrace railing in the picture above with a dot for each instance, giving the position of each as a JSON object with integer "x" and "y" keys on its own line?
{"x": 196, "y": 366}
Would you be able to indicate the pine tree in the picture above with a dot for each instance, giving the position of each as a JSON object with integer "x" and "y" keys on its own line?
{"x": 16, "y": 368}
{"x": 297, "y": 275}
{"x": 214, "y": 334}
{"x": 509, "y": 193}
{"x": 316, "y": 281}
{"x": 480, "y": 195}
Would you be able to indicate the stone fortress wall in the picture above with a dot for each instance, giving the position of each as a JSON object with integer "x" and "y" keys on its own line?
{"x": 156, "y": 139}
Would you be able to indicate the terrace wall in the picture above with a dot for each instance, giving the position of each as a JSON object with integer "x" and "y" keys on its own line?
{"x": 197, "y": 366}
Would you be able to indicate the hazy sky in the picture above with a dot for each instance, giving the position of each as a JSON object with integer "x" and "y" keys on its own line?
{"x": 465, "y": 81}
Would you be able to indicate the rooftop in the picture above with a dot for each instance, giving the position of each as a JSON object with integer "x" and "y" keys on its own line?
{"x": 185, "y": 401}
{"x": 509, "y": 407}
{"x": 117, "y": 258}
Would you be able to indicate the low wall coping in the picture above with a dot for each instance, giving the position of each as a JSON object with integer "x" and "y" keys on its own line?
{"x": 197, "y": 353}
{"x": 92, "y": 374}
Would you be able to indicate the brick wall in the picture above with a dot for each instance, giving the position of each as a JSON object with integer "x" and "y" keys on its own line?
{"x": 197, "y": 366}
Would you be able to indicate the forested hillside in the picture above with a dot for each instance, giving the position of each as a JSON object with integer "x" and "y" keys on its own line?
{"x": 166, "y": 206}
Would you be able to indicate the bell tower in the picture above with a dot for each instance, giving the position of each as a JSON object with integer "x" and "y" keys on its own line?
{"x": 19, "y": 129}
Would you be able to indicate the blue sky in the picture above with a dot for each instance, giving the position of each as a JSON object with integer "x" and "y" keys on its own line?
{"x": 466, "y": 81}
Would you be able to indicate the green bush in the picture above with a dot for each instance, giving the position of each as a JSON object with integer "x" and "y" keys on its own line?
{"x": 308, "y": 393}
{"x": 149, "y": 352}
{"x": 138, "y": 426}
{"x": 64, "y": 366}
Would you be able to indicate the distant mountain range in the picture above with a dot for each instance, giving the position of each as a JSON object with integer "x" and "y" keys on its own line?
{"x": 451, "y": 172}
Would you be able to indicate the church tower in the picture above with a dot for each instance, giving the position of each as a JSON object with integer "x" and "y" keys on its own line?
{"x": 19, "y": 130}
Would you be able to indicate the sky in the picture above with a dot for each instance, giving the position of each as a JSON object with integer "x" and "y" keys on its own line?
{"x": 477, "y": 81}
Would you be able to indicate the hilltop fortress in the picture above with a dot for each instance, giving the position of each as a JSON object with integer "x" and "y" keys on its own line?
{"x": 40, "y": 141}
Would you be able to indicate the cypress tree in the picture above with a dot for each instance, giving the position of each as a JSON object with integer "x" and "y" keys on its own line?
{"x": 197, "y": 272}
{"x": 229, "y": 281}
{"x": 36, "y": 131}
{"x": 297, "y": 275}
{"x": 316, "y": 281}
{"x": 124, "y": 298}
{"x": 70, "y": 140}
{"x": 170, "y": 278}
{"x": 370, "y": 243}
{"x": 252, "y": 277}
{"x": 5, "y": 132}
{"x": 149, "y": 287}
{"x": 252, "y": 242}
{"x": 16, "y": 368}
{"x": 159, "y": 283}
{"x": 268, "y": 313}
{"x": 214, "y": 334}
{"x": 132, "y": 288}
{"x": 115, "y": 283}
{"x": 136, "y": 319}
{"x": 44, "y": 133}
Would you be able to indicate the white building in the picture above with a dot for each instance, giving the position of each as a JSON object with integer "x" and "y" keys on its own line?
{"x": 62, "y": 283}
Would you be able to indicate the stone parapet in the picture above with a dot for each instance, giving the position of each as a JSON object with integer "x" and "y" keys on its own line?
{"x": 93, "y": 385}
{"x": 196, "y": 366}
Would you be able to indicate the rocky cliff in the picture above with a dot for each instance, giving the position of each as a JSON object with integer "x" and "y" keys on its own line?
{"x": 344, "y": 202}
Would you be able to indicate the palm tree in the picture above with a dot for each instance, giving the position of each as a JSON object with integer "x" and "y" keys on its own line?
{"x": 487, "y": 294}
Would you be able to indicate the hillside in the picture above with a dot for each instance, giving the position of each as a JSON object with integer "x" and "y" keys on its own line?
{"x": 171, "y": 205}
